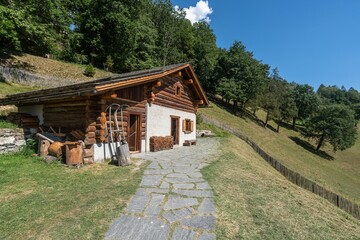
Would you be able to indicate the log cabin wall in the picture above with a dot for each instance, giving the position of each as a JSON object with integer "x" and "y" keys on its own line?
{"x": 134, "y": 97}
{"x": 167, "y": 96}
{"x": 67, "y": 114}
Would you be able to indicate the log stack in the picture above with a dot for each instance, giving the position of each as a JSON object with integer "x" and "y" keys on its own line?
{"x": 161, "y": 143}
{"x": 23, "y": 120}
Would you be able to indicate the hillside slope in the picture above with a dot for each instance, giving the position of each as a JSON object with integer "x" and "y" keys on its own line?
{"x": 339, "y": 172}
{"x": 254, "y": 201}
{"x": 47, "y": 67}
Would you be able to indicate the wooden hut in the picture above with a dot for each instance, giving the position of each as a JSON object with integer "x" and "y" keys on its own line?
{"x": 162, "y": 102}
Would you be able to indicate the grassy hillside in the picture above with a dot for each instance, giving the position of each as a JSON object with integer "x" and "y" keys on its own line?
{"x": 339, "y": 171}
{"x": 254, "y": 201}
{"x": 44, "y": 66}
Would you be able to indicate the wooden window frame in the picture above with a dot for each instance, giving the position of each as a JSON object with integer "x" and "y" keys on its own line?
{"x": 177, "y": 90}
{"x": 188, "y": 126}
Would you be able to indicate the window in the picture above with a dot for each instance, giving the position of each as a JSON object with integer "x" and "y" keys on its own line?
{"x": 178, "y": 90}
{"x": 188, "y": 126}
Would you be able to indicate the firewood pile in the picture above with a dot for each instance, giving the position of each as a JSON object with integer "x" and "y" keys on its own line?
{"x": 161, "y": 143}
{"x": 23, "y": 120}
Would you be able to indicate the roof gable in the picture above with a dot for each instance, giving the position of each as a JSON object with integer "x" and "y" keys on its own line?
{"x": 103, "y": 85}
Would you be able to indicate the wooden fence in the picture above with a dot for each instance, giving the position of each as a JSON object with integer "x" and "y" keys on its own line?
{"x": 294, "y": 177}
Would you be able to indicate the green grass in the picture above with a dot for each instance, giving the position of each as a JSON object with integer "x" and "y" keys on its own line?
{"x": 341, "y": 174}
{"x": 50, "y": 201}
{"x": 6, "y": 124}
{"x": 11, "y": 88}
{"x": 48, "y": 67}
{"x": 254, "y": 201}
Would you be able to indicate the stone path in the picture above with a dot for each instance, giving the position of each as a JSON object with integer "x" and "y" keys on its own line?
{"x": 173, "y": 202}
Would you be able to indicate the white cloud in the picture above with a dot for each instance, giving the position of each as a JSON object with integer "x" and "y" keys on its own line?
{"x": 199, "y": 13}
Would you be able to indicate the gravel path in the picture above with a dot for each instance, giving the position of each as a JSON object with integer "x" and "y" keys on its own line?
{"x": 173, "y": 201}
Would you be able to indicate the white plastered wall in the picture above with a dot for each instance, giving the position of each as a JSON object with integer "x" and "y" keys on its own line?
{"x": 158, "y": 123}
{"x": 35, "y": 110}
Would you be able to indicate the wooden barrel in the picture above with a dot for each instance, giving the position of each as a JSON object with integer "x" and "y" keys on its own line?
{"x": 55, "y": 149}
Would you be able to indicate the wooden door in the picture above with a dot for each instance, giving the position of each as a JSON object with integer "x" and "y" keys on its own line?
{"x": 175, "y": 130}
{"x": 134, "y": 133}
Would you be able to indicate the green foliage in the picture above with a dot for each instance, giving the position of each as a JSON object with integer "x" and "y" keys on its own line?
{"x": 7, "y": 124}
{"x": 30, "y": 147}
{"x": 199, "y": 118}
{"x": 334, "y": 124}
{"x": 241, "y": 73}
{"x": 306, "y": 101}
{"x": 34, "y": 26}
{"x": 109, "y": 63}
{"x": 206, "y": 53}
{"x": 89, "y": 70}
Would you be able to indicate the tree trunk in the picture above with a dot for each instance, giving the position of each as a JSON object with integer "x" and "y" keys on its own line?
{"x": 278, "y": 127}
{"x": 294, "y": 123}
{"x": 321, "y": 141}
{"x": 254, "y": 112}
{"x": 235, "y": 105}
{"x": 267, "y": 119}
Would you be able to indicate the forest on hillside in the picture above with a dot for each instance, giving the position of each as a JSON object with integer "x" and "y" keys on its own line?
{"x": 127, "y": 35}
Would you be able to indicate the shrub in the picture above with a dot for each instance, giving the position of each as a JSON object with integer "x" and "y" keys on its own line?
{"x": 89, "y": 71}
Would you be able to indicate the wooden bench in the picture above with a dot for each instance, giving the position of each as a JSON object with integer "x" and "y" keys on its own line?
{"x": 189, "y": 142}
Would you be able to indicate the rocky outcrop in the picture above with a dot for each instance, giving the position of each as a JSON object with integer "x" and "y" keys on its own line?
{"x": 15, "y": 75}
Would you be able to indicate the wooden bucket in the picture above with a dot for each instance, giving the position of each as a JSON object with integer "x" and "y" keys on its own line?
{"x": 74, "y": 153}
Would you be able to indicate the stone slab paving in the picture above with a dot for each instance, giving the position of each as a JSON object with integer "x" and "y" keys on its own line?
{"x": 173, "y": 202}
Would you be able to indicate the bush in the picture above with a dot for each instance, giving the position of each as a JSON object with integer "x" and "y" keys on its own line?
{"x": 89, "y": 71}
{"x": 199, "y": 118}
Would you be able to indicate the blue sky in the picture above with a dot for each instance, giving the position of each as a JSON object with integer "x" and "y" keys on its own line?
{"x": 310, "y": 41}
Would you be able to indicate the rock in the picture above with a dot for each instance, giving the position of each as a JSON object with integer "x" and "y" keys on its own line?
{"x": 194, "y": 193}
{"x": 202, "y": 222}
{"x": 173, "y": 216}
{"x": 207, "y": 206}
{"x": 183, "y": 234}
{"x": 132, "y": 227}
{"x": 49, "y": 159}
{"x": 176, "y": 202}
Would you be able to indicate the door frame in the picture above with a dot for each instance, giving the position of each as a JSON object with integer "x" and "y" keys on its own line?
{"x": 139, "y": 125}
{"x": 177, "y": 118}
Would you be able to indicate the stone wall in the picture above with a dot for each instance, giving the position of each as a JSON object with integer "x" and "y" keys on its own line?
{"x": 11, "y": 140}
{"x": 27, "y": 78}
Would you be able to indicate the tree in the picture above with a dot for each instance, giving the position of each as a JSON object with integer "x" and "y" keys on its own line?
{"x": 306, "y": 102}
{"x": 287, "y": 108}
{"x": 271, "y": 99}
{"x": 37, "y": 27}
{"x": 248, "y": 73}
{"x": 334, "y": 124}
{"x": 206, "y": 53}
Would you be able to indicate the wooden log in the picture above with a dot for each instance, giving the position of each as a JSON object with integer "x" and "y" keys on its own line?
{"x": 44, "y": 137}
{"x": 43, "y": 149}
{"x": 90, "y": 135}
{"x": 88, "y": 152}
{"x": 90, "y": 141}
{"x": 55, "y": 149}
{"x": 90, "y": 128}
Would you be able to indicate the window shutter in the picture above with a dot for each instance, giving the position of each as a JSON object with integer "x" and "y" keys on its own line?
{"x": 184, "y": 125}
{"x": 192, "y": 126}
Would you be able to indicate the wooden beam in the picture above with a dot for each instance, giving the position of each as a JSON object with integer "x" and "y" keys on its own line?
{"x": 158, "y": 84}
{"x": 189, "y": 82}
